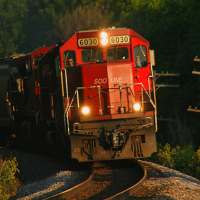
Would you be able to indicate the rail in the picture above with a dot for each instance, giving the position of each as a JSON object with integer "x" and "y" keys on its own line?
{"x": 102, "y": 183}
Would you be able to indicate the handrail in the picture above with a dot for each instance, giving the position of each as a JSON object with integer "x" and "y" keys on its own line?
{"x": 151, "y": 101}
{"x": 120, "y": 88}
{"x": 98, "y": 87}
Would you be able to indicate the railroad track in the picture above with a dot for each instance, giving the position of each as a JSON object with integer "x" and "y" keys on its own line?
{"x": 108, "y": 180}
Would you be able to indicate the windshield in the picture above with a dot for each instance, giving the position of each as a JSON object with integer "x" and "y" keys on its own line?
{"x": 117, "y": 54}
{"x": 140, "y": 56}
{"x": 92, "y": 55}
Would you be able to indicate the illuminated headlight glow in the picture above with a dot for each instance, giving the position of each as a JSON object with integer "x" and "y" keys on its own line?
{"x": 137, "y": 107}
{"x": 104, "y": 38}
{"x": 85, "y": 110}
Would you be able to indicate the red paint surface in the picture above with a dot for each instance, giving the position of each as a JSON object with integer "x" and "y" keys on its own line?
{"x": 110, "y": 76}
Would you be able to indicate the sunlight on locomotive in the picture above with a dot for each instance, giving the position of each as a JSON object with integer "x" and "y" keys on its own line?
{"x": 85, "y": 110}
{"x": 137, "y": 107}
{"x": 104, "y": 38}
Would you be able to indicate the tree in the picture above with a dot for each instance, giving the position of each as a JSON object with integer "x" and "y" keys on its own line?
{"x": 82, "y": 17}
{"x": 12, "y": 14}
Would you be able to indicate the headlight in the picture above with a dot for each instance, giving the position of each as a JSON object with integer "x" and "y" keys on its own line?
{"x": 104, "y": 38}
{"x": 137, "y": 107}
{"x": 85, "y": 110}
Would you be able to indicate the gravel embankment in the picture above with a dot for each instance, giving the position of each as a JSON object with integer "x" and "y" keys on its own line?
{"x": 163, "y": 183}
{"x": 56, "y": 183}
{"x": 41, "y": 175}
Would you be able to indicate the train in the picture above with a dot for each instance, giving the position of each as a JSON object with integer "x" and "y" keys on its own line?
{"x": 91, "y": 97}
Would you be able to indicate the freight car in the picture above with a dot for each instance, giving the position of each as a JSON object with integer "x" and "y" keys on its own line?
{"x": 11, "y": 69}
{"x": 4, "y": 114}
{"x": 91, "y": 97}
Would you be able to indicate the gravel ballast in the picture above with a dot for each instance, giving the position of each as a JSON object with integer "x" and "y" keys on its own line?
{"x": 49, "y": 186}
{"x": 42, "y": 176}
{"x": 163, "y": 183}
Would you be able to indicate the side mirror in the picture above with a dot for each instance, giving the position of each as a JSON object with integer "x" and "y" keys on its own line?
{"x": 152, "y": 58}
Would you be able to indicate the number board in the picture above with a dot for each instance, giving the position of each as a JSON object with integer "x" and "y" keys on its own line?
{"x": 121, "y": 39}
{"x": 85, "y": 42}
{"x": 113, "y": 40}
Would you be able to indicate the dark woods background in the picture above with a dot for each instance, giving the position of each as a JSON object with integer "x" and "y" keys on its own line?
{"x": 172, "y": 27}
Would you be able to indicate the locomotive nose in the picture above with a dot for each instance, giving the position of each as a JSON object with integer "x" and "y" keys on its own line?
{"x": 114, "y": 82}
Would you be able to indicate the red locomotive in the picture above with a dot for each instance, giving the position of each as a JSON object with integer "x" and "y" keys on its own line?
{"x": 92, "y": 96}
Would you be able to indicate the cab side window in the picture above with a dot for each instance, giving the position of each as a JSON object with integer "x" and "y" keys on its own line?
{"x": 140, "y": 56}
{"x": 69, "y": 58}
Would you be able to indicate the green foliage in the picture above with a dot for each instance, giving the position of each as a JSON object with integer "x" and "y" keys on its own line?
{"x": 12, "y": 14}
{"x": 183, "y": 158}
{"x": 165, "y": 155}
{"x": 81, "y": 18}
{"x": 8, "y": 183}
{"x": 196, "y": 169}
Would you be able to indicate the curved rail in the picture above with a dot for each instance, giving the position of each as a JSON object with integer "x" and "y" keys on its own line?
{"x": 108, "y": 181}
{"x": 60, "y": 194}
{"x": 117, "y": 195}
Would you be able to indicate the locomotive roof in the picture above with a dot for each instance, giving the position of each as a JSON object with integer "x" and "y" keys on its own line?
{"x": 41, "y": 50}
{"x": 112, "y": 30}
{"x": 12, "y": 57}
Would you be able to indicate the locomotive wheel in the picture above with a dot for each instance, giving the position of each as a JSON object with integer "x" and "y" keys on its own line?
{"x": 26, "y": 128}
{"x": 50, "y": 137}
{"x": 25, "y": 133}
